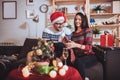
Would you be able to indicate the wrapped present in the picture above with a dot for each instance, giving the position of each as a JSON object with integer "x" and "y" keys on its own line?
{"x": 107, "y": 40}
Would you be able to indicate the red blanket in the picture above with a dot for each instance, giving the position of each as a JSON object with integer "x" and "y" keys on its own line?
{"x": 71, "y": 74}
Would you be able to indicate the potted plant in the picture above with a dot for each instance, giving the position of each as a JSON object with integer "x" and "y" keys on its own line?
{"x": 96, "y": 31}
{"x": 99, "y": 9}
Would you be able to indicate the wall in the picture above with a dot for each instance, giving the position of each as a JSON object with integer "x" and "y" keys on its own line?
{"x": 16, "y": 30}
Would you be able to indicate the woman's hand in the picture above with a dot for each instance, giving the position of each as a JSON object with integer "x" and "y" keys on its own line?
{"x": 72, "y": 44}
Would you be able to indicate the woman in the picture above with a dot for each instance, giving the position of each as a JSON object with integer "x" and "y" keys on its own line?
{"x": 82, "y": 44}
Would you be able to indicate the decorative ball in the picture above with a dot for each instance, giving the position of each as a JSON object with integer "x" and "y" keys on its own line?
{"x": 60, "y": 64}
{"x": 62, "y": 72}
{"x": 65, "y": 67}
{"x": 54, "y": 63}
{"x": 39, "y": 52}
{"x": 52, "y": 73}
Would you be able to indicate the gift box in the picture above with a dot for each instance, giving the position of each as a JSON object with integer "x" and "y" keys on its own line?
{"x": 107, "y": 40}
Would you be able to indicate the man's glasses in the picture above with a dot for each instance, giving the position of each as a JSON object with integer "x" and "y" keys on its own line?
{"x": 59, "y": 24}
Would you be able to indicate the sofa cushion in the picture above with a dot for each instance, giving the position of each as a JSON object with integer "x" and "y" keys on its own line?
{"x": 28, "y": 44}
{"x": 95, "y": 72}
{"x": 10, "y": 50}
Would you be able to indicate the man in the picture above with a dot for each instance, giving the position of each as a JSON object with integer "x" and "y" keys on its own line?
{"x": 57, "y": 30}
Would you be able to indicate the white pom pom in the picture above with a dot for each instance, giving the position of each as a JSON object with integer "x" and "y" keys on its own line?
{"x": 62, "y": 72}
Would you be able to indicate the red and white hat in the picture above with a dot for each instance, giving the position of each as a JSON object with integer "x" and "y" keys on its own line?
{"x": 57, "y": 17}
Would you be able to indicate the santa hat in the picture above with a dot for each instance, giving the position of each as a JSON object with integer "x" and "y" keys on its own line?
{"x": 57, "y": 17}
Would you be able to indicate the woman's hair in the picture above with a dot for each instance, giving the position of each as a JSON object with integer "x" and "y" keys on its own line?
{"x": 84, "y": 21}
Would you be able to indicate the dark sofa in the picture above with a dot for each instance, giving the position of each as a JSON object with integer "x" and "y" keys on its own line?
{"x": 7, "y": 52}
{"x": 110, "y": 59}
{"x": 94, "y": 73}
{"x": 7, "y": 58}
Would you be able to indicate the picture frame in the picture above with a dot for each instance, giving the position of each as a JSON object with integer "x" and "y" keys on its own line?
{"x": 30, "y": 14}
{"x": 30, "y": 2}
{"x": 9, "y": 9}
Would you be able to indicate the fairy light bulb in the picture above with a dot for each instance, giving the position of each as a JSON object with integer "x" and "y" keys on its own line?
{"x": 25, "y": 71}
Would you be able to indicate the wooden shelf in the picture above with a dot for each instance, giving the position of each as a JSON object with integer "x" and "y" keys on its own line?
{"x": 112, "y": 26}
{"x": 109, "y": 25}
{"x": 104, "y": 14}
{"x": 118, "y": 38}
{"x": 100, "y": 1}
{"x": 96, "y": 39}
{"x": 63, "y": 2}
{"x": 70, "y": 15}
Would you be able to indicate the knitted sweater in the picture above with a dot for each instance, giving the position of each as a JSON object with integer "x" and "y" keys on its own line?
{"x": 84, "y": 37}
{"x": 50, "y": 34}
